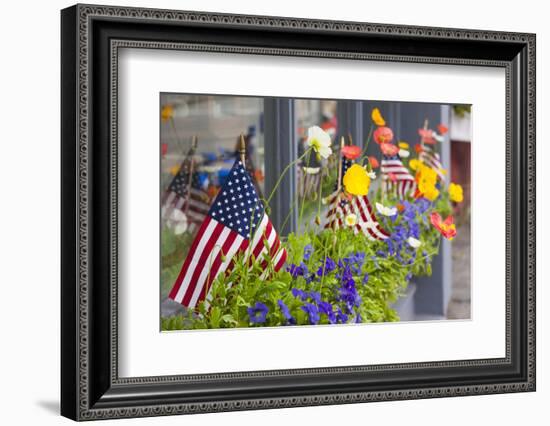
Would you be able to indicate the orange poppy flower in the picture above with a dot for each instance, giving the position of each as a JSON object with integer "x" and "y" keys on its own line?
{"x": 442, "y": 129}
{"x": 446, "y": 227}
{"x": 383, "y": 135}
{"x": 389, "y": 149}
{"x": 167, "y": 112}
{"x": 373, "y": 162}
{"x": 418, "y": 148}
{"x": 351, "y": 152}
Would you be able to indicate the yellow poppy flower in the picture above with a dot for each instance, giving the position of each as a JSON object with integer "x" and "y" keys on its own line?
{"x": 455, "y": 193}
{"x": 356, "y": 180}
{"x": 377, "y": 117}
{"x": 431, "y": 193}
{"x": 414, "y": 164}
{"x": 174, "y": 170}
{"x": 403, "y": 145}
{"x": 166, "y": 113}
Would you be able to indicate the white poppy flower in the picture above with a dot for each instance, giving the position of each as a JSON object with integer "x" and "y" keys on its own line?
{"x": 177, "y": 221}
{"x": 319, "y": 140}
{"x": 180, "y": 228}
{"x": 439, "y": 138}
{"x": 177, "y": 216}
{"x": 413, "y": 242}
{"x": 403, "y": 153}
{"x": 311, "y": 170}
{"x": 386, "y": 211}
{"x": 351, "y": 219}
{"x": 372, "y": 174}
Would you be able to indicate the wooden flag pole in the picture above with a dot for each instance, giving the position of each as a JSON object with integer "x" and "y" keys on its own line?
{"x": 425, "y": 128}
{"x": 342, "y": 142}
{"x": 194, "y": 144}
{"x": 242, "y": 150}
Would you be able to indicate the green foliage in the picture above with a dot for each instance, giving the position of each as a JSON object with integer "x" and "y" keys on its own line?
{"x": 367, "y": 279}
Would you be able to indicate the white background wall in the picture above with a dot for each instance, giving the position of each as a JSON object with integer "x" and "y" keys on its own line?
{"x": 29, "y": 211}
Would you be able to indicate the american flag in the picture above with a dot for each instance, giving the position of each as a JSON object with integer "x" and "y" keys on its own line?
{"x": 340, "y": 207}
{"x": 396, "y": 175}
{"x": 185, "y": 193}
{"x": 236, "y": 223}
{"x": 431, "y": 158}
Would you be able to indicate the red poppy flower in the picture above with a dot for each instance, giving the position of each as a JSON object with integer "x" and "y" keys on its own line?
{"x": 427, "y": 136}
{"x": 383, "y": 135}
{"x": 351, "y": 152}
{"x": 389, "y": 149}
{"x": 374, "y": 162}
{"x": 445, "y": 227}
{"x": 442, "y": 129}
{"x": 418, "y": 148}
{"x": 164, "y": 149}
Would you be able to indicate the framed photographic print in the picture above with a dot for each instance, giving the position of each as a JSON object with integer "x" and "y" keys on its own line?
{"x": 263, "y": 212}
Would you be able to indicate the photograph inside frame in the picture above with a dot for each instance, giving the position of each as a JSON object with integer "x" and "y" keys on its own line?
{"x": 366, "y": 220}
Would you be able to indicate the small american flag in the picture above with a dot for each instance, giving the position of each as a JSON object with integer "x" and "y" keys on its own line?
{"x": 431, "y": 158}
{"x": 185, "y": 193}
{"x": 236, "y": 223}
{"x": 340, "y": 207}
{"x": 396, "y": 175}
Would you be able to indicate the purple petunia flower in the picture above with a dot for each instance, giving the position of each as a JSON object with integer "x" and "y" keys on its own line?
{"x": 312, "y": 312}
{"x": 326, "y": 308}
{"x": 285, "y": 311}
{"x": 329, "y": 266}
{"x": 315, "y": 296}
{"x": 308, "y": 250}
{"x": 258, "y": 313}
{"x": 340, "y": 316}
{"x": 296, "y": 292}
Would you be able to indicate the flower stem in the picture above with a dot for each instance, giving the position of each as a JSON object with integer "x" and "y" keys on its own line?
{"x": 292, "y": 163}
{"x": 304, "y": 194}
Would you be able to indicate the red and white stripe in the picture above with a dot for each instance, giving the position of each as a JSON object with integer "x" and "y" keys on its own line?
{"x": 431, "y": 159}
{"x": 361, "y": 207}
{"x": 197, "y": 209}
{"x": 215, "y": 242}
{"x": 396, "y": 176}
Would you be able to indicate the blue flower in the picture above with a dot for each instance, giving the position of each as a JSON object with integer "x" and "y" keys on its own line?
{"x": 326, "y": 308}
{"x": 366, "y": 278}
{"x": 312, "y": 311}
{"x": 340, "y": 316}
{"x": 329, "y": 266}
{"x": 295, "y": 270}
{"x": 381, "y": 254}
{"x": 358, "y": 319}
{"x": 409, "y": 276}
{"x": 315, "y": 296}
{"x": 257, "y": 313}
{"x": 296, "y": 292}
{"x": 286, "y": 312}
{"x": 308, "y": 250}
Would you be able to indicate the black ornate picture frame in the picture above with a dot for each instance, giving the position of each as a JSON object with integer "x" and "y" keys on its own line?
{"x": 91, "y": 387}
